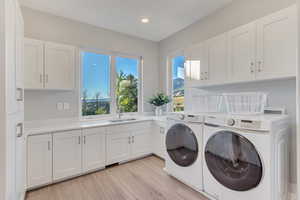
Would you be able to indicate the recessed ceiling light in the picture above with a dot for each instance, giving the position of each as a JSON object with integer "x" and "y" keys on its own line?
{"x": 145, "y": 20}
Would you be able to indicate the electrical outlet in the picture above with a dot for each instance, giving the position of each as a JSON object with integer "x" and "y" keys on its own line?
{"x": 66, "y": 106}
{"x": 59, "y": 106}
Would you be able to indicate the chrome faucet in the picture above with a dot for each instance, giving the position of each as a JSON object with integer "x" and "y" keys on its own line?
{"x": 119, "y": 114}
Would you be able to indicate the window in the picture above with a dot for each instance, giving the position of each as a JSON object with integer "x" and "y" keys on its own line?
{"x": 178, "y": 74}
{"x": 96, "y": 98}
{"x": 108, "y": 87}
{"x": 127, "y": 84}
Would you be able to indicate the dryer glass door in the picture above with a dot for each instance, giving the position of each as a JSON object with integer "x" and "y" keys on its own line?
{"x": 182, "y": 145}
{"x": 233, "y": 160}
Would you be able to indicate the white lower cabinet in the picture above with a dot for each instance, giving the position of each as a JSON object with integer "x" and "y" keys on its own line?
{"x": 159, "y": 148}
{"x": 118, "y": 147}
{"x": 61, "y": 155}
{"x": 94, "y": 149}
{"x": 39, "y": 160}
{"x": 126, "y": 142}
{"x": 67, "y": 148}
{"x": 140, "y": 143}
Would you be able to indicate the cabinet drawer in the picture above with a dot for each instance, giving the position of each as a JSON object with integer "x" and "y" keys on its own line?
{"x": 94, "y": 131}
{"x": 129, "y": 127}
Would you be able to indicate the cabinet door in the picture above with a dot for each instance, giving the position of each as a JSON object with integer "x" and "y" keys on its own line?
{"x": 59, "y": 66}
{"x": 19, "y": 59}
{"x": 241, "y": 51}
{"x": 10, "y": 44}
{"x": 34, "y": 64}
{"x": 94, "y": 148}
{"x": 159, "y": 141}
{"x": 217, "y": 59}
{"x": 118, "y": 147}
{"x": 39, "y": 160}
{"x": 196, "y": 71}
{"x": 66, "y": 154}
{"x": 277, "y": 45}
{"x": 140, "y": 143}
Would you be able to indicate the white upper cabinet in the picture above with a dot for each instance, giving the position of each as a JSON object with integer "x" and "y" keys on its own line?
{"x": 196, "y": 71}
{"x": 49, "y": 65}
{"x": 10, "y": 53}
{"x": 67, "y": 147}
{"x": 19, "y": 60}
{"x": 261, "y": 50}
{"x": 34, "y": 64}
{"x": 277, "y": 45}
{"x": 94, "y": 148}
{"x": 217, "y": 59}
{"x": 59, "y": 66}
{"x": 241, "y": 53}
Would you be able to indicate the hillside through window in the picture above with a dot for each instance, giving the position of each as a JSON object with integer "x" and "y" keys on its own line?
{"x": 178, "y": 83}
{"x": 98, "y": 72}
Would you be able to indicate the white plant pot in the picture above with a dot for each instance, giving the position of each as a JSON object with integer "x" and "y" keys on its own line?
{"x": 158, "y": 111}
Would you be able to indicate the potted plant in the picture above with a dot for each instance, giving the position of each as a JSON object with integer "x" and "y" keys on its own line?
{"x": 159, "y": 100}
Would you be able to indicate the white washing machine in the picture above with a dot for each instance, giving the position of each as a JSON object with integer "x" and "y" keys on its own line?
{"x": 246, "y": 157}
{"x": 184, "y": 139}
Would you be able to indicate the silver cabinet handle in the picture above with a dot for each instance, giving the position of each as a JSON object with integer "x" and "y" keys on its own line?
{"x": 46, "y": 78}
{"x": 41, "y": 78}
{"x": 79, "y": 138}
{"x": 129, "y": 141}
{"x": 206, "y": 75}
{"x": 20, "y": 94}
{"x": 84, "y": 140}
{"x": 162, "y": 130}
{"x": 259, "y": 66}
{"x": 19, "y": 130}
{"x": 49, "y": 145}
{"x": 252, "y": 67}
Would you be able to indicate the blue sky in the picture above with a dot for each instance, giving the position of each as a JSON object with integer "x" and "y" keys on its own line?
{"x": 96, "y": 72}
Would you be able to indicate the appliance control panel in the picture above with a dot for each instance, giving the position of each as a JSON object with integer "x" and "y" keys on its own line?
{"x": 244, "y": 124}
{"x": 193, "y": 118}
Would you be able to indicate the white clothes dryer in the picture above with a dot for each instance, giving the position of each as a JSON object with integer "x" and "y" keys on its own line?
{"x": 246, "y": 157}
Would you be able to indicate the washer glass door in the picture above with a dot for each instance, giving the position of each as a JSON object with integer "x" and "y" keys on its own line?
{"x": 233, "y": 161}
{"x": 182, "y": 145}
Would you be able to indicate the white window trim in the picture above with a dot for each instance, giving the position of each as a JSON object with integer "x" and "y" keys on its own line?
{"x": 113, "y": 110}
{"x": 170, "y": 76}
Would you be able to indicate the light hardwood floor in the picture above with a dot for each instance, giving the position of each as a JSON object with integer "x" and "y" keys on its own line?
{"x": 137, "y": 180}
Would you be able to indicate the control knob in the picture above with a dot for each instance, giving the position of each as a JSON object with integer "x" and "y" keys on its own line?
{"x": 181, "y": 117}
{"x": 230, "y": 122}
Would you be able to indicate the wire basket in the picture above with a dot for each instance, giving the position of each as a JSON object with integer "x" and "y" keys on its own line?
{"x": 250, "y": 103}
{"x": 211, "y": 103}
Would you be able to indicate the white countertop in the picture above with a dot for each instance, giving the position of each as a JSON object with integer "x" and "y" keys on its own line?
{"x": 50, "y": 126}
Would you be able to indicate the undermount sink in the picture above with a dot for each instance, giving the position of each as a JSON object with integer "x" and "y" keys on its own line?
{"x": 122, "y": 120}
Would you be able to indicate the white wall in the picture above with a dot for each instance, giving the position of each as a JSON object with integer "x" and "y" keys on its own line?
{"x": 42, "y": 105}
{"x": 282, "y": 93}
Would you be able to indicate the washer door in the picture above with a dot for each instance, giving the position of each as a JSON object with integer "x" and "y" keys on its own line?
{"x": 233, "y": 161}
{"x": 182, "y": 145}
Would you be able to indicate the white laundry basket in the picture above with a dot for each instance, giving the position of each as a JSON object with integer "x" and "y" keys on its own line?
{"x": 249, "y": 103}
{"x": 209, "y": 103}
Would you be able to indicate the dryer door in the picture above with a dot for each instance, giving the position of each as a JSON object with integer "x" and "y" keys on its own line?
{"x": 182, "y": 145}
{"x": 233, "y": 161}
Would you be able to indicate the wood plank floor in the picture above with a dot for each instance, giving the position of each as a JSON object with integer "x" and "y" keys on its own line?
{"x": 138, "y": 180}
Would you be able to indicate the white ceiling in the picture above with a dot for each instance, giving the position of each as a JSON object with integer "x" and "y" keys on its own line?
{"x": 166, "y": 16}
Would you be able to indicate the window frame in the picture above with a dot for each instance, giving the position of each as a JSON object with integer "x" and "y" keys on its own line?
{"x": 169, "y": 87}
{"x": 113, "y": 76}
